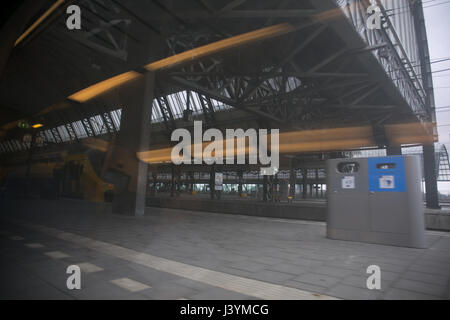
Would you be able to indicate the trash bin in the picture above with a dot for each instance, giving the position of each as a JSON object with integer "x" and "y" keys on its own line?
{"x": 376, "y": 200}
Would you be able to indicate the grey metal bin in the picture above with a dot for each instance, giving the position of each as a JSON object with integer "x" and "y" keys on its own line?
{"x": 377, "y": 200}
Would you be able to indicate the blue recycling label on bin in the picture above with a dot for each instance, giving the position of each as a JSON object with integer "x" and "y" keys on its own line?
{"x": 387, "y": 174}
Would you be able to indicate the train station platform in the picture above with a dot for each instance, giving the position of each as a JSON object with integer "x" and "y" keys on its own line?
{"x": 182, "y": 254}
{"x": 308, "y": 209}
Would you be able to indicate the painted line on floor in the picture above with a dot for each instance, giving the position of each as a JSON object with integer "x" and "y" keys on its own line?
{"x": 441, "y": 233}
{"x": 57, "y": 255}
{"x": 17, "y": 238}
{"x": 246, "y": 286}
{"x": 34, "y": 245}
{"x": 89, "y": 267}
{"x": 438, "y": 233}
{"x": 249, "y": 217}
{"x": 130, "y": 285}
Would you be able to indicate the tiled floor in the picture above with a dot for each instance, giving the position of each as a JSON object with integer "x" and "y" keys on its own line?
{"x": 175, "y": 254}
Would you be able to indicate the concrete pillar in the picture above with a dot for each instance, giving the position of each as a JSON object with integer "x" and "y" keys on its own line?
{"x": 284, "y": 191}
{"x": 265, "y": 182}
{"x": 304, "y": 183}
{"x": 275, "y": 188}
{"x": 131, "y": 174}
{"x": 317, "y": 182}
{"x": 240, "y": 174}
{"x": 191, "y": 183}
{"x": 212, "y": 182}
{"x": 394, "y": 150}
{"x": 292, "y": 178}
{"x": 27, "y": 185}
{"x": 429, "y": 165}
{"x": 155, "y": 180}
{"x": 172, "y": 181}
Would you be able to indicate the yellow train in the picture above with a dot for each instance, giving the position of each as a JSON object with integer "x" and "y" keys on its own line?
{"x": 55, "y": 175}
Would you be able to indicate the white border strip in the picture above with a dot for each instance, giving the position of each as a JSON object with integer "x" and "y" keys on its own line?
{"x": 249, "y": 287}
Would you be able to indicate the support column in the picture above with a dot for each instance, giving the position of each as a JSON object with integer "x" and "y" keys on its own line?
{"x": 265, "y": 182}
{"x": 212, "y": 182}
{"x": 429, "y": 165}
{"x": 129, "y": 174}
{"x": 292, "y": 178}
{"x": 191, "y": 183}
{"x": 172, "y": 181}
{"x": 27, "y": 185}
{"x": 240, "y": 174}
{"x": 304, "y": 183}
{"x": 275, "y": 188}
{"x": 284, "y": 190}
{"x": 155, "y": 181}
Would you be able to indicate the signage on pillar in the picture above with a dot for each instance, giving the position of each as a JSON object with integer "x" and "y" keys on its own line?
{"x": 218, "y": 181}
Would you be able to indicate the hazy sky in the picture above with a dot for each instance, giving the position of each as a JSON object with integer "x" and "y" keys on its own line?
{"x": 437, "y": 20}
{"x": 438, "y": 29}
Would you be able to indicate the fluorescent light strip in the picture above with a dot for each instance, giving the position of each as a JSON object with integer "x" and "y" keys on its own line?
{"x": 220, "y": 45}
{"x": 106, "y": 85}
{"x": 38, "y": 21}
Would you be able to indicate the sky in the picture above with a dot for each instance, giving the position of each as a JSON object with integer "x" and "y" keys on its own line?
{"x": 437, "y": 20}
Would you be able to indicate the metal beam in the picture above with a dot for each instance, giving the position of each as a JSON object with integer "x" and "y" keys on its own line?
{"x": 232, "y": 4}
{"x": 365, "y": 95}
{"x": 193, "y": 86}
{"x": 328, "y": 60}
{"x": 247, "y": 14}
{"x": 429, "y": 165}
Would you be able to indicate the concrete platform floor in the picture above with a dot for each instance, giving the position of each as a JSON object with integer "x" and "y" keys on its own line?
{"x": 179, "y": 254}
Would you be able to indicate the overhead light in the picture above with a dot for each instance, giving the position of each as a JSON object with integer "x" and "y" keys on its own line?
{"x": 104, "y": 86}
{"x": 37, "y": 125}
{"x": 23, "y": 124}
{"x": 116, "y": 81}
{"x": 39, "y": 21}
{"x": 220, "y": 45}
